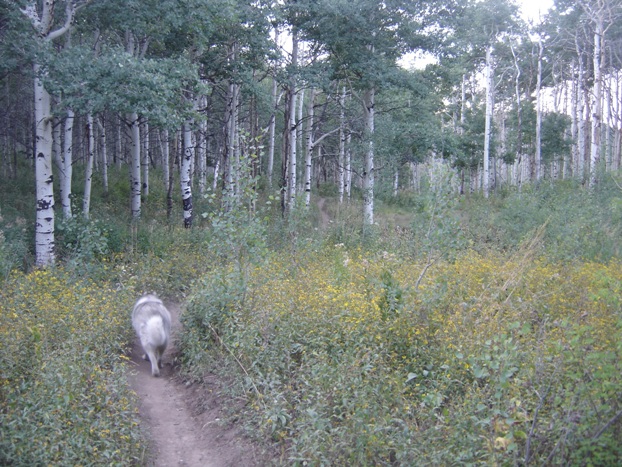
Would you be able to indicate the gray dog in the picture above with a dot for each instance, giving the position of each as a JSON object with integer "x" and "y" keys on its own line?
{"x": 152, "y": 323}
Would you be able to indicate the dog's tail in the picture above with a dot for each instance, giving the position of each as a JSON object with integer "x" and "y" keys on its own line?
{"x": 154, "y": 340}
{"x": 155, "y": 331}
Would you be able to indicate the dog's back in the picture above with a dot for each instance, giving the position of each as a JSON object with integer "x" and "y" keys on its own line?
{"x": 152, "y": 323}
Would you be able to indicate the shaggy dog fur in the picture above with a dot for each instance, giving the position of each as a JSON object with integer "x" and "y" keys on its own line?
{"x": 152, "y": 323}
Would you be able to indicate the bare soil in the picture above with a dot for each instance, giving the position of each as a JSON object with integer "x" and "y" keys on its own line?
{"x": 186, "y": 423}
{"x": 324, "y": 216}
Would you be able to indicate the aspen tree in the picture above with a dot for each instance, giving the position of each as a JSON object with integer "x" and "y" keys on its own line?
{"x": 42, "y": 21}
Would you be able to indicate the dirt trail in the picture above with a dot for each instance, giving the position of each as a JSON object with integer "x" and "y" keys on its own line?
{"x": 184, "y": 422}
{"x": 324, "y": 216}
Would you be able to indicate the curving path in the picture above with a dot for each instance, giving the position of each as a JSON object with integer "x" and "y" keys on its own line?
{"x": 183, "y": 421}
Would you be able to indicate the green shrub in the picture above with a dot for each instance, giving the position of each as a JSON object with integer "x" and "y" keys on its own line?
{"x": 357, "y": 357}
{"x": 64, "y": 399}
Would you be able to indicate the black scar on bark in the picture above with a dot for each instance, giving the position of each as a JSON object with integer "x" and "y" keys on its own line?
{"x": 43, "y": 204}
{"x": 187, "y": 208}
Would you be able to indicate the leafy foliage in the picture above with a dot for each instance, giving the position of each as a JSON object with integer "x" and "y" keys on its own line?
{"x": 348, "y": 360}
{"x": 62, "y": 377}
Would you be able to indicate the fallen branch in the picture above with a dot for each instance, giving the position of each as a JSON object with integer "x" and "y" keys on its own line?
{"x": 222, "y": 343}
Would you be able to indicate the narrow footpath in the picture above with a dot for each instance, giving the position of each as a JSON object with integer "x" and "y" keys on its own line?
{"x": 184, "y": 421}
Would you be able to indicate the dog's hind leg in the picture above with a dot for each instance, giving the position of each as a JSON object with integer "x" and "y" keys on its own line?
{"x": 154, "y": 359}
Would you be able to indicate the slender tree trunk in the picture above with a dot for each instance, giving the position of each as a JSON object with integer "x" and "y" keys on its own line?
{"x": 368, "y": 172}
{"x": 44, "y": 224}
{"x": 348, "y": 166}
{"x": 135, "y": 184}
{"x": 538, "y": 155}
{"x": 342, "y": 145}
{"x": 396, "y": 181}
{"x": 597, "y": 114}
{"x": 300, "y": 100}
{"x": 232, "y": 153}
{"x": 88, "y": 171}
{"x": 519, "y": 110}
{"x": 118, "y": 157}
{"x": 185, "y": 178}
{"x": 309, "y": 147}
{"x": 271, "y": 135}
{"x": 202, "y": 146}
{"x": 165, "y": 149}
{"x": 216, "y": 172}
{"x": 489, "y": 113}
{"x": 292, "y": 165}
{"x": 574, "y": 126}
{"x": 145, "y": 157}
{"x": 66, "y": 166}
{"x": 104, "y": 152}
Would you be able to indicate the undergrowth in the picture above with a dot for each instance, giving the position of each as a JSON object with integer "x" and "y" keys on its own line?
{"x": 64, "y": 398}
{"x": 456, "y": 331}
{"x": 491, "y": 359}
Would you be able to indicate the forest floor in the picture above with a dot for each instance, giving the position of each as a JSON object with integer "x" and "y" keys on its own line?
{"x": 186, "y": 422}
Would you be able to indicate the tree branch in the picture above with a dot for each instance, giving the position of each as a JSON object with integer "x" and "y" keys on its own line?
{"x": 607, "y": 425}
{"x": 69, "y": 12}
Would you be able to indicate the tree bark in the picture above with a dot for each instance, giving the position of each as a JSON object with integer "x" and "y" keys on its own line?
{"x": 538, "y": 154}
{"x": 271, "y": 134}
{"x": 67, "y": 165}
{"x": 310, "y": 144}
{"x": 597, "y": 114}
{"x": 202, "y": 146}
{"x": 135, "y": 184}
{"x": 44, "y": 223}
{"x": 342, "y": 145}
{"x": 368, "y": 172}
{"x": 292, "y": 166}
{"x": 88, "y": 171}
{"x": 186, "y": 176}
{"x": 145, "y": 159}
{"x": 104, "y": 152}
{"x": 488, "y": 124}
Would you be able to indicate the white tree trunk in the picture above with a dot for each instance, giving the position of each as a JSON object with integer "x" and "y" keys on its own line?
{"x": 271, "y": 135}
{"x": 104, "y": 152}
{"x": 165, "y": 148}
{"x": 44, "y": 224}
{"x": 232, "y": 162}
{"x": 119, "y": 146}
{"x": 186, "y": 178}
{"x": 202, "y": 146}
{"x": 488, "y": 125}
{"x": 66, "y": 165}
{"x": 88, "y": 170}
{"x": 291, "y": 182}
{"x": 597, "y": 113}
{"x": 310, "y": 143}
{"x": 348, "y": 167}
{"x": 574, "y": 126}
{"x": 300, "y": 101}
{"x": 216, "y": 174}
{"x": 538, "y": 155}
{"x": 342, "y": 145}
{"x": 368, "y": 172}
{"x": 136, "y": 186}
{"x": 145, "y": 157}
{"x": 396, "y": 181}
